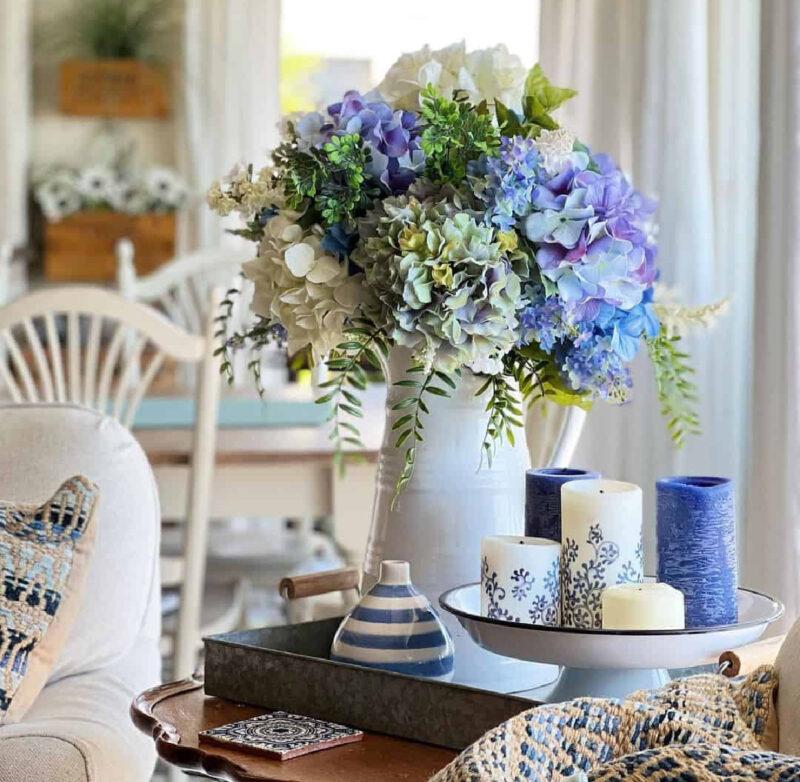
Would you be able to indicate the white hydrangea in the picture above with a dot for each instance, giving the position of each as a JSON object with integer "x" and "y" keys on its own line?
{"x": 300, "y": 286}
{"x": 555, "y": 149}
{"x": 485, "y": 74}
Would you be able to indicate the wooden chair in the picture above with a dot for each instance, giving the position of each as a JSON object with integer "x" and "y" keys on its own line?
{"x": 87, "y": 370}
{"x": 180, "y": 289}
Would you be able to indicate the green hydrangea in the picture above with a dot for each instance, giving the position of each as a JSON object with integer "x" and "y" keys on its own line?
{"x": 446, "y": 280}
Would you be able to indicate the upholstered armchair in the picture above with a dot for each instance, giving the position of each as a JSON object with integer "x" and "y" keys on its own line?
{"x": 78, "y": 729}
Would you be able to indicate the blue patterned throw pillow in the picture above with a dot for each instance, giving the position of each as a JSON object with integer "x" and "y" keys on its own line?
{"x": 44, "y": 556}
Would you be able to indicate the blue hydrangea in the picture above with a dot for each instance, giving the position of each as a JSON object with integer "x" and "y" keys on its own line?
{"x": 595, "y": 366}
{"x": 506, "y": 182}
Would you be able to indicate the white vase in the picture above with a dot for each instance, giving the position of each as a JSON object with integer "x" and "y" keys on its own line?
{"x": 447, "y": 508}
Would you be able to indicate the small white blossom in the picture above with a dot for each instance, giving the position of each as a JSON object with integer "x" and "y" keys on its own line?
{"x": 165, "y": 188}
{"x": 555, "y": 149}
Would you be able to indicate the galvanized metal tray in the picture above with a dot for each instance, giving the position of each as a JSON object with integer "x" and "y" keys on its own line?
{"x": 288, "y": 668}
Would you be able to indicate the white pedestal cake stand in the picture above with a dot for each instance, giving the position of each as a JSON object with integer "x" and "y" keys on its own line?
{"x": 609, "y": 663}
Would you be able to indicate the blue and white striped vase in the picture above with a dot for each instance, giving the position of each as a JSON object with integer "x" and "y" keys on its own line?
{"x": 395, "y": 628}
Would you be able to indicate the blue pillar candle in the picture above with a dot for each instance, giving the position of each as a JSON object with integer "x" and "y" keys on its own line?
{"x": 696, "y": 533}
{"x": 543, "y": 499}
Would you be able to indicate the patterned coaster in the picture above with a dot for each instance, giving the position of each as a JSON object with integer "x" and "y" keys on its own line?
{"x": 281, "y": 735}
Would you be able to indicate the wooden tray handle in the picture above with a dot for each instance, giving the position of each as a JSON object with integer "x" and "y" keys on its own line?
{"x": 747, "y": 658}
{"x": 294, "y": 587}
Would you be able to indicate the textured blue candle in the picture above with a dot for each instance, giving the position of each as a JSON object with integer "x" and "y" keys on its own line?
{"x": 543, "y": 499}
{"x": 697, "y": 546}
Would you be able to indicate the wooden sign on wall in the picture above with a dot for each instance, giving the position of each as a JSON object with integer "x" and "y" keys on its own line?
{"x": 113, "y": 88}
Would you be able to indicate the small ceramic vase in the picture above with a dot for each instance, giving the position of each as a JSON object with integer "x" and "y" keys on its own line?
{"x": 395, "y": 628}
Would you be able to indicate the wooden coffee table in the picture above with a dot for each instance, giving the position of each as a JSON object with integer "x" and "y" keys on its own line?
{"x": 173, "y": 714}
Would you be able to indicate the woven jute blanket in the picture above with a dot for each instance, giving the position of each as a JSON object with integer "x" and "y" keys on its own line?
{"x": 701, "y": 729}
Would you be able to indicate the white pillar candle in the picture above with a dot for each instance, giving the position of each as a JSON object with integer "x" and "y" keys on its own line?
{"x": 601, "y": 546}
{"x": 651, "y": 606}
{"x": 520, "y": 579}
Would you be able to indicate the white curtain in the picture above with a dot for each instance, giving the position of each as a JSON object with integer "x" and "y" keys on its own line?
{"x": 231, "y": 99}
{"x": 772, "y": 541}
{"x": 670, "y": 88}
{"x": 15, "y": 69}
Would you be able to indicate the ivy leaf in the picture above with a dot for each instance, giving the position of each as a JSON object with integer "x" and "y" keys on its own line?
{"x": 535, "y": 113}
{"x": 549, "y": 96}
{"x": 507, "y": 120}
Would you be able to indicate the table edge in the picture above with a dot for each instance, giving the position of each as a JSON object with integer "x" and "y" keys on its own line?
{"x": 167, "y": 739}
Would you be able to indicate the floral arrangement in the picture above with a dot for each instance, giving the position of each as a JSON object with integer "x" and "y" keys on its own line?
{"x": 63, "y": 191}
{"x": 448, "y": 212}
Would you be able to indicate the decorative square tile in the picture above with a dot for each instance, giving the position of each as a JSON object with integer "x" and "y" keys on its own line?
{"x": 281, "y": 735}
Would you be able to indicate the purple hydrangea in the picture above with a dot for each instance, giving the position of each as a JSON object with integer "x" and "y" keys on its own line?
{"x": 392, "y": 136}
{"x": 589, "y": 231}
{"x": 589, "y": 228}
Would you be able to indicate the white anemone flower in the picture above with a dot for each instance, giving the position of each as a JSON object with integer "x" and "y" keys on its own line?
{"x": 165, "y": 188}
{"x": 128, "y": 197}
{"x": 96, "y": 183}
{"x": 58, "y": 196}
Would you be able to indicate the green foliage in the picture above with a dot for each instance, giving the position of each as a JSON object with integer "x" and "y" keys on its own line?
{"x": 539, "y": 100}
{"x": 538, "y": 377}
{"x": 409, "y": 425}
{"x": 505, "y": 414}
{"x": 456, "y": 132}
{"x": 350, "y": 378}
{"x": 333, "y": 180}
{"x": 547, "y": 96}
{"x": 676, "y": 391}
{"x": 142, "y": 29}
{"x": 262, "y": 332}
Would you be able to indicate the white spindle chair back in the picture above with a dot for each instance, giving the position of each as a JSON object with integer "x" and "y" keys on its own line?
{"x": 180, "y": 289}
{"x": 66, "y": 345}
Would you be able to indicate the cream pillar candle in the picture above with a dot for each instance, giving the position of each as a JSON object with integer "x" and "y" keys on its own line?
{"x": 601, "y": 545}
{"x": 651, "y": 606}
{"x": 520, "y": 579}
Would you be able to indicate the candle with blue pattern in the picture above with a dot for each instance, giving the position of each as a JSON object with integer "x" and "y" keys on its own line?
{"x": 543, "y": 499}
{"x": 696, "y": 533}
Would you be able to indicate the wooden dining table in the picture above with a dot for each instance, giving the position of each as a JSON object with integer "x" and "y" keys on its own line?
{"x": 274, "y": 458}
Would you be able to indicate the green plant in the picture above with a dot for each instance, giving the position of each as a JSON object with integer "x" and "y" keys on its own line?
{"x": 676, "y": 391}
{"x": 140, "y": 29}
{"x": 333, "y": 180}
{"x": 455, "y": 133}
{"x": 363, "y": 339}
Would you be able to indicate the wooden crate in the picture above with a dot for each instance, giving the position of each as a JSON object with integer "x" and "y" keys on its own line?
{"x": 113, "y": 88}
{"x": 81, "y": 246}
